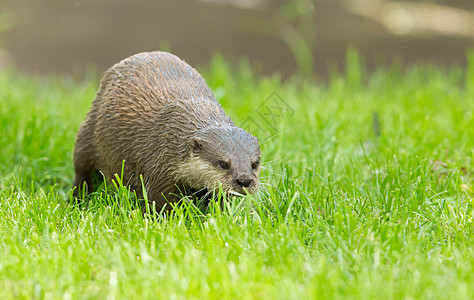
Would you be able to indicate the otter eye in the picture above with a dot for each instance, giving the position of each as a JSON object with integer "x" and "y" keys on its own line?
{"x": 224, "y": 165}
{"x": 255, "y": 164}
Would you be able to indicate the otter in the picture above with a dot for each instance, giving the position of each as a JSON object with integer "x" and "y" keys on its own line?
{"x": 154, "y": 116}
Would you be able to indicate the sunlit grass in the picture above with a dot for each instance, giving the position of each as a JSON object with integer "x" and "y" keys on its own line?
{"x": 368, "y": 193}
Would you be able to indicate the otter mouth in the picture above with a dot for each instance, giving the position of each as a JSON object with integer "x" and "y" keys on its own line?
{"x": 204, "y": 196}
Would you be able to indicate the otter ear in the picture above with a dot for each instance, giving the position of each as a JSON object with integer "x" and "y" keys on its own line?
{"x": 196, "y": 144}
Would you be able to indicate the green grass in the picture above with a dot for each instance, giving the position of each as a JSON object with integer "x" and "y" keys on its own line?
{"x": 345, "y": 212}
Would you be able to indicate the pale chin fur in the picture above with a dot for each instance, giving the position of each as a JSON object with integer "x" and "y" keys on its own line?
{"x": 197, "y": 174}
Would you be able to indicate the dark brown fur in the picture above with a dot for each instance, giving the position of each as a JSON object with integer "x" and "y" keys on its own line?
{"x": 156, "y": 113}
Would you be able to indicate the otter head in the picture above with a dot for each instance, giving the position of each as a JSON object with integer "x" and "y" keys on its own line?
{"x": 222, "y": 155}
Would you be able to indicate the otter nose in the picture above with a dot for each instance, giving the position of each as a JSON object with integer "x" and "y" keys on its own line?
{"x": 244, "y": 182}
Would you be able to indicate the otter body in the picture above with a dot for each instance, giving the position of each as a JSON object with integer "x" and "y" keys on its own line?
{"x": 155, "y": 114}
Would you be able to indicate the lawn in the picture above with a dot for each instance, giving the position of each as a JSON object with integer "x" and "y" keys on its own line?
{"x": 368, "y": 193}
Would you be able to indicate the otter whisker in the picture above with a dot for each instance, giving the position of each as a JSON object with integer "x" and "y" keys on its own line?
{"x": 208, "y": 193}
{"x": 270, "y": 161}
{"x": 198, "y": 191}
{"x": 264, "y": 184}
{"x": 273, "y": 136}
{"x": 265, "y": 189}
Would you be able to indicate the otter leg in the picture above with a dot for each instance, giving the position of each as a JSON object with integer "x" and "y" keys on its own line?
{"x": 85, "y": 156}
{"x": 82, "y": 182}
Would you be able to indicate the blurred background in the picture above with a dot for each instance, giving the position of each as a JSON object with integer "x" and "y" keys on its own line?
{"x": 305, "y": 36}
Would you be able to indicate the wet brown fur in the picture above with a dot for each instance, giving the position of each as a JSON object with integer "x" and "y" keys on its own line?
{"x": 156, "y": 113}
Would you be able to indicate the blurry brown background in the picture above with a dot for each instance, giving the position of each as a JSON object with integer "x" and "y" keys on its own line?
{"x": 43, "y": 37}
